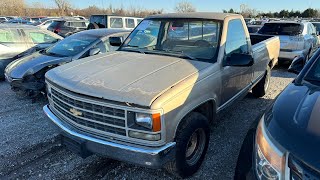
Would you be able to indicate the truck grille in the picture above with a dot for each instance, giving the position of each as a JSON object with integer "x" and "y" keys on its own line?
{"x": 88, "y": 116}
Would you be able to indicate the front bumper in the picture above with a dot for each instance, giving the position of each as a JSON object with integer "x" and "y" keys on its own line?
{"x": 140, "y": 155}
{"x": 19, "y": 84}
{"x": 290, "y": 55}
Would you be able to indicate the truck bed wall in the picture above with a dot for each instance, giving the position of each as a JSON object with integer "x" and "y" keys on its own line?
{"x": 256, "y": 38}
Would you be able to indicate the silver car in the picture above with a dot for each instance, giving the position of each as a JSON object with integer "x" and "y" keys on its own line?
{"x": 296, "y": 38}
{"x": 17, "y": 40}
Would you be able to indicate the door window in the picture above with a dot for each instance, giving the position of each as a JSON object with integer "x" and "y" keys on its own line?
{"x": 38, "y": 37}
{"x": 8, "y": 36}
{"x": 116, "y": 23}
{"x": 129, "y": 23}
{"x": 236, "y": 38}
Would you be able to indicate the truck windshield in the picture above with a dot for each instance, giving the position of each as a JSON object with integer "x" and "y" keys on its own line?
{"x": 289, "y": 29}
{"x": 193, "y": 39}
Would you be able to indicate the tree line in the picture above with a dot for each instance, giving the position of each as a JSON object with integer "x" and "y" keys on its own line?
{"x": 248, "y": 12}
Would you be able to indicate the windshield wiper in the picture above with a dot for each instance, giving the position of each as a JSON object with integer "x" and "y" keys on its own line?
{"x": 182, "y": 54}
{"x": 137, "y": 49}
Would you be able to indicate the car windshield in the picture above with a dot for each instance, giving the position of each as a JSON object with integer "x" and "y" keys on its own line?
{"x": 313, "y": 75}
{"x": 289, "y": 29}
{"x": 71, "y": 46}
{"x": 193, "y": 39}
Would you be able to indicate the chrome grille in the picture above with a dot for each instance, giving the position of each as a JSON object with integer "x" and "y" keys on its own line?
{"x": 89, "y": 116}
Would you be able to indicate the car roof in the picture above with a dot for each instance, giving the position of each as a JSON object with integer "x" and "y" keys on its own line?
{"x": 13, "y": 25}
{"x": 194, "y": 15}
{"x": 286, "y": 22}
{"x": 100, "y": 32}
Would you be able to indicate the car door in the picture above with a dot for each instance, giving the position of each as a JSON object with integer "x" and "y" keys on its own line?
{"x": 235, "y": 80}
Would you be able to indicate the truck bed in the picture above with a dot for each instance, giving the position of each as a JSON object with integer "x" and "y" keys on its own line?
{"x": 266, "y": 46}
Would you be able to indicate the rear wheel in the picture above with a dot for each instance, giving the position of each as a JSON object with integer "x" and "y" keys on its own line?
{"x": 192, "y": 143}
{"x": 262, "y": 87}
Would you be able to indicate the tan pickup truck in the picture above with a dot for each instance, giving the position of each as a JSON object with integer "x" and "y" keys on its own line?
{"x": 151, "y": 102}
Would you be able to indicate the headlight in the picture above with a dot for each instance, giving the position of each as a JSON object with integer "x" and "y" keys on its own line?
{"x": 149, "y": 121}
{"x": 270, "y": 159}
{"x": 144, "y": 120}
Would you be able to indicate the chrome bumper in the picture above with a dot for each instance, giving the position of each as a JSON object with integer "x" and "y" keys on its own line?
{"x": 144, "y": 156}
{"x": 285, "y": 55}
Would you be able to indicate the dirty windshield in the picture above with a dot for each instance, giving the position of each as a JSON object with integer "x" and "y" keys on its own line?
{"x": 192, "y": 39}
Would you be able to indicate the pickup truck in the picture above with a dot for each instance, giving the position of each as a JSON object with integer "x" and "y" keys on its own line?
{"x": 151, "y": 102}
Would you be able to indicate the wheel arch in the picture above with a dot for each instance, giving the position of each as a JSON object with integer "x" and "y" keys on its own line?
{"x": 208, "y": 108}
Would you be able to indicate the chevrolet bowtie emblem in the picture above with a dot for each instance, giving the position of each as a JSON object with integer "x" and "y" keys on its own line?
{"x": 75, "y": 112}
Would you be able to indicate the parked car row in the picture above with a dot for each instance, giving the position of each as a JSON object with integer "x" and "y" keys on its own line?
{"x": 148, "y": 96}
{"x": 17, "y": 41}
{"x": 26, "y": 75}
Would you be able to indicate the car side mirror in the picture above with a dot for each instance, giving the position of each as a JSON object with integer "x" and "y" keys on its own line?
{"x": 297, "y": 65}
{"x": 94, "y": 51}
{"x": 115, "y": 41}
{"x": 238, "y": 59}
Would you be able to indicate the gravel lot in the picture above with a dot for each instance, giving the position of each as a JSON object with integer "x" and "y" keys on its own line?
{"x": 29, "y": 143}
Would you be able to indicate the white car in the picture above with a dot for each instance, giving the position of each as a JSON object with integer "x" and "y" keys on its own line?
{"x": 3, "y": 19}
{"x": 296, "y": 38}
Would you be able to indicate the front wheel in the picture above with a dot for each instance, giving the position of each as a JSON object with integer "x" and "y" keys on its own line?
{"x": 262, "y": 87}
{"x": 192, "y": 143}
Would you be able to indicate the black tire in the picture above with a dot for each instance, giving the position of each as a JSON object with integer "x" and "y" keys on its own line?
{"x": 189, "y": 154}
{"x": 245, "y": 159}
{"x": 262, "y": 87}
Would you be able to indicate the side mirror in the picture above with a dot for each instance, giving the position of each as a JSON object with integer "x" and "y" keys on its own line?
{"x": 297, "y": 65}
{"x": 94, "y": 51}
{"x": 115, "y": 41}
{"x": 237, "y": 59}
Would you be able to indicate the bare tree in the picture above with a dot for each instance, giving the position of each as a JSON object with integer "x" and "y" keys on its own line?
{"x": 63, "y": 6}
{"x": 184, "y": 6}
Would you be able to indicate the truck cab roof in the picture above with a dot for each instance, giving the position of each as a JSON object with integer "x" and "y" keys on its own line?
{"x": 195, "y": 15}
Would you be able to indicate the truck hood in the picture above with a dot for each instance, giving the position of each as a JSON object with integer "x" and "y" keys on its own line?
{"x": 124, "y": 76}
{"x": 296, "y": 122}
{"x": 31, "y": 64}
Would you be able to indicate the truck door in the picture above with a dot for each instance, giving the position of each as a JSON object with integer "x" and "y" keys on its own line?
{"x": 235, "y": 80}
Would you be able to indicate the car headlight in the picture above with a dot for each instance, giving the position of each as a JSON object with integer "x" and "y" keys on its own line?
{"x": 149, "y": 121}
{"x": 270, "y": 159}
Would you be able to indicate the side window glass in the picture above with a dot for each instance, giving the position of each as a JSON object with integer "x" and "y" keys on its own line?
{"x": 116, "y": 23}
{"x": 129, "y": 23}
{"x": 102, "y": 46}
{"x": 236, "y": 38}
{"x": 40, "y": 37}
{"x": 8, "y": 36}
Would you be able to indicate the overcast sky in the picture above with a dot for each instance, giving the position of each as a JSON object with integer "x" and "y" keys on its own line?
{"x": 201, "y": 5}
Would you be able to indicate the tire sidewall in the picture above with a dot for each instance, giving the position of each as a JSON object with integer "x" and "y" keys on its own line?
{"x": 193, "y": 122}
